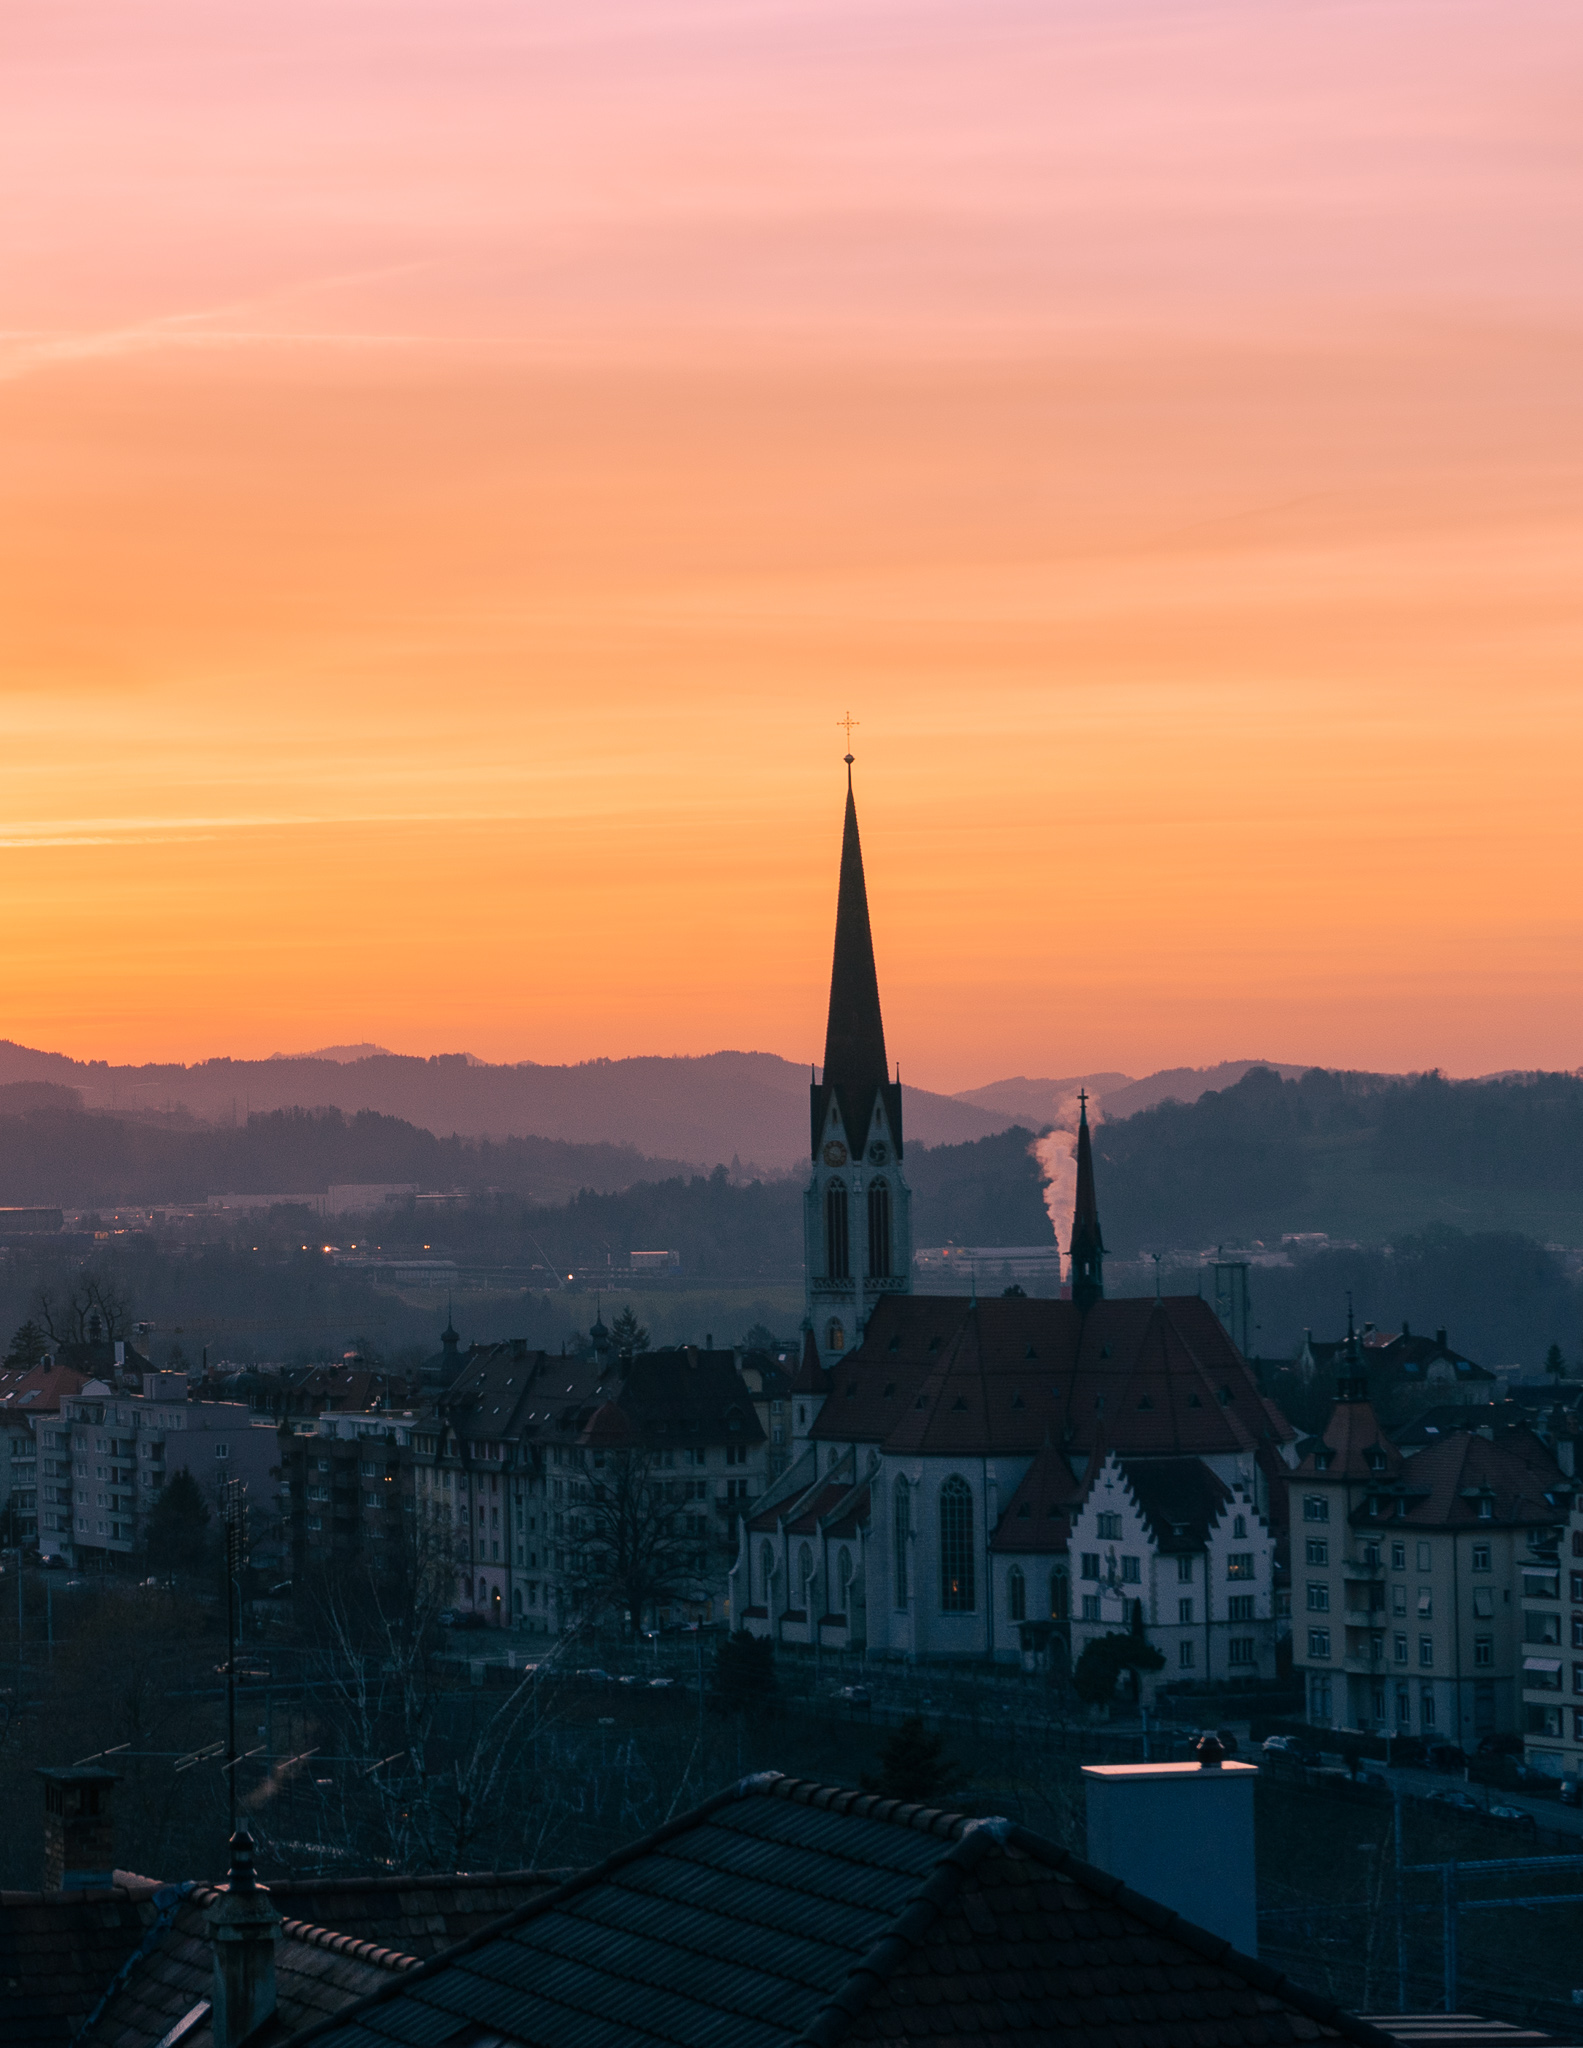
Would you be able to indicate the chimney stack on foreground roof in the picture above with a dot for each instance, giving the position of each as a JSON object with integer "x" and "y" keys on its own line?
{"x": 243, "y": 1927}
{"x": 1182, "y": 1834}
{"x": 79, "y": 1839}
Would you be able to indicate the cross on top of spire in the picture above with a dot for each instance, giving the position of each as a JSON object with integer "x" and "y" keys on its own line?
{"x": 848, "y": 722}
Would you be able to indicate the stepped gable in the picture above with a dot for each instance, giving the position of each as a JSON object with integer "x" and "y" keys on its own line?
{"x": 784, "y": 1914}
{"x": 1038, "y": 1517}
{"x": 1181, "y": 1499}
{"x": 944, "y": 1375}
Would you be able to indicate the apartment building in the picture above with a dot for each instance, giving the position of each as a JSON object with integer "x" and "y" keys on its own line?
{"x": 113, "y": 1450}
{"x": 509, "y": 1469}
{"x": 30, "y": 1398}
{"x": 346, "y": 1490}
{"x": 1407, "y": 1574}
{"x": 1552, "y": 1610}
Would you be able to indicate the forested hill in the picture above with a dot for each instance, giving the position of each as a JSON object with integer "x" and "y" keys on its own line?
{"x": 1361, "y": 1156}
{"x": 53, "y": 1151}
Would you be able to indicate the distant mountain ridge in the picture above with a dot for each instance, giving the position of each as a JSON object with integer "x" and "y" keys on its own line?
{"x": 706, "y": 1111}
{"x": 1038, "y": 1102}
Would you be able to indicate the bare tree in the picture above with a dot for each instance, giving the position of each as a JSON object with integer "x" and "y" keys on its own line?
{"x": 636, "y": 1547}
{"x": 93, "y": 1305}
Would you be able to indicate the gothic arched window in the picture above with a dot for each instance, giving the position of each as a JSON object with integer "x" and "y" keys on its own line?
{"x": 1059, "y": 1589}
{"x": 845, "y": 1574}
{"x": 767, "y": 1568}
{"x": 834, "y": 1339}
{"x": 837, "y": 1254}
{"x": 956, "y": 1546}
{"x": 901, "y": 1513}
{"x": 804, "y": 1574}
{"x": 1016, "y": 1594}
{"x": 879, "y": 1230}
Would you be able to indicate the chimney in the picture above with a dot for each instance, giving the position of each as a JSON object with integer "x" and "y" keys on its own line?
{"x": 243, "y": 1927}
{"x": 79, "y": 1840}
{"x": 1182, "y": 1835}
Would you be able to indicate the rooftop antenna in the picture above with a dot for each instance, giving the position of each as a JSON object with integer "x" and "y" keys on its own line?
{"x": 233, "y": 1515}
{"x": 1156, "y": 1258}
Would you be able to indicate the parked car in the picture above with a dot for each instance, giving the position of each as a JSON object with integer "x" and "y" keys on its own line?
{"x": 1571, "y": 1792}
{"x": 1464, "y": 1802}
{"x": 593, "y": 1676}
{"x": 1499, "y": 1745}
{"x": 853, "y": 1695}
{"x": 1283, "y": 1745}
{"x": 1516, "y": 1816}
{"x": 459, "y": 1617}
{"x": 661, "y": 1684}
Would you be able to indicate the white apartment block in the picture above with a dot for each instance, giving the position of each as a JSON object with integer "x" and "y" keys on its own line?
{"x": 1407, "y": 1576}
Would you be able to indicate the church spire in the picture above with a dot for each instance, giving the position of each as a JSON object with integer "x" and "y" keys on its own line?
{"x": 854, "y": 1043}
{"x": 1088, "y": 1246}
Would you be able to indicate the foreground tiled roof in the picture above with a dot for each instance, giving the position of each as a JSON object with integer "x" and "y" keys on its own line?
{"x": 317, "y": 1972}
{"x": 783, "y": 1913}
{"x": 417, "y": 1914}
{"x": 58, "y": 1951}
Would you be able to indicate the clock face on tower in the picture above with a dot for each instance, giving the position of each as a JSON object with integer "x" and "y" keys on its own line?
{"x": 835, "y": 1153}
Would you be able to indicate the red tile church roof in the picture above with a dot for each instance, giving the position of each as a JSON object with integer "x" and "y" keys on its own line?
{"x": 942, "y": 1376}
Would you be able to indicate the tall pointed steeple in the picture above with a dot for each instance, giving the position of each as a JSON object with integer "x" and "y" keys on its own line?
{"x": 1088, "y": 1246}
{"x": 857, "y": 1215}
{"x": 854, "y": 1044}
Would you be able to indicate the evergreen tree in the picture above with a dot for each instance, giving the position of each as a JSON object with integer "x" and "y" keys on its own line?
{"x": 27, "y": 1346}
{"x": 744, "y": 1675}
{"x": 627, "y": 1335}
{"x": 1555, "y": 1363}
{"x": 178, "y": 1526}
{"x": 913, "y": 1765}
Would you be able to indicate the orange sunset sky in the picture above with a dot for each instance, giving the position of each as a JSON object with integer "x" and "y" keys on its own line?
{"x": 458, "y": 462}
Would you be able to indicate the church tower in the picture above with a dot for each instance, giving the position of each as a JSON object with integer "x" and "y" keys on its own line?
{"x": 857, "y": 1213}
{"x": 1088, "y": 1246}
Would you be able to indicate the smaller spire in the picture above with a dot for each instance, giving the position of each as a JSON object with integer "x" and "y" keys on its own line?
{"x": 1088, "y": 1244}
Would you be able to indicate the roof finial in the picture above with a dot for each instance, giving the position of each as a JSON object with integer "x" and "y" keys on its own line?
{"x": 848, "y": 722}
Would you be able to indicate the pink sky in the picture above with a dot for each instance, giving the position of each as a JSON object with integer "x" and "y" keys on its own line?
{"x": 461, "y": 461}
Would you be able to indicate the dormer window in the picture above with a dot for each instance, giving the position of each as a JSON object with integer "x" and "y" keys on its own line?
{"x": 1322, "y": 1461}
{"x": 1486, "y": 1508}
{"x": 1376, "y": 1460}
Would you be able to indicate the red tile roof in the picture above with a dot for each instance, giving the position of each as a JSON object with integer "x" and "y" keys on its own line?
{"x": 1038, "y": 1516}
{"x": 1352, "y": 1437}
{"x": 940, "y": 1375}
